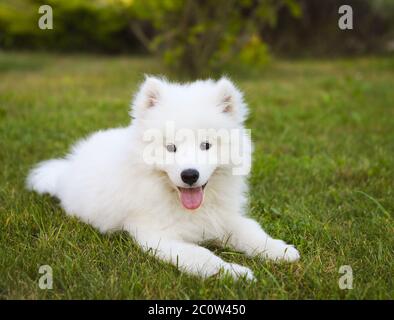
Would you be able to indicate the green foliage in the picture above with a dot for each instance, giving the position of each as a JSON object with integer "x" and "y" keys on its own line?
{"x": 201, "y": 37}
{"x": 194, "y": 37}
{"x": 198, "y": 38}
{"x": 322, "y": 180}
{"x": 78, "y": 25}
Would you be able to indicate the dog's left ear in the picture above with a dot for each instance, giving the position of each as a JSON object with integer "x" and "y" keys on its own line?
{"x": 147, "y": 97}
{"x": 231, "y": 99}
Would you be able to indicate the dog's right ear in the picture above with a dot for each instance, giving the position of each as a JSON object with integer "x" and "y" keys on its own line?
{"x": 148, "y": 96}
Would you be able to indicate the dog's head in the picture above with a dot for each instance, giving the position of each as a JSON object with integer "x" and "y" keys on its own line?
{"x": 191, "y": 130}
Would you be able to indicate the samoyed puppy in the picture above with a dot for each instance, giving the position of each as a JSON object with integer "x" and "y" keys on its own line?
{"x": 167, "y": 178}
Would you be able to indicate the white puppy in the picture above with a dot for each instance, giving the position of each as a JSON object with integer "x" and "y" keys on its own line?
{"x": 168, "y": 179}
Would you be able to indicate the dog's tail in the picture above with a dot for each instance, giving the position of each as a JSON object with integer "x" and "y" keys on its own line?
{"x": 44, "y": 177}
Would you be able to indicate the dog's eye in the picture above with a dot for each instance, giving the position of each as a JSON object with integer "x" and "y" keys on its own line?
{"x": 205, "y": 145}
{"x": 171, "y": 147}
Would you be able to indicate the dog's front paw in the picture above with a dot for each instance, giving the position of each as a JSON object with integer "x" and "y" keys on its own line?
{"x": 278, "y": 250}
{"x": 237, "y": 271}
{"x": 291, "y": 254}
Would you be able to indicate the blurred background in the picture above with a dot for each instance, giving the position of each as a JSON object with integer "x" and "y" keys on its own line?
{"x": 197, "y": 38}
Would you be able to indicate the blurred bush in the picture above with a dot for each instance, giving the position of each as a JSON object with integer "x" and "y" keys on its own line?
{"x": 79, "y": 25}
{"x": 203, "y": 36}
{"x": 198, "y": 37}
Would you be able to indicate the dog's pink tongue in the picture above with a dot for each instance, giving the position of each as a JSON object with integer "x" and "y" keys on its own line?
{"x": 191, "y": 197}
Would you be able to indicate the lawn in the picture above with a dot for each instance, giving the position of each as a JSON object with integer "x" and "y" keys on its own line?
{"x": 322, "y": 179}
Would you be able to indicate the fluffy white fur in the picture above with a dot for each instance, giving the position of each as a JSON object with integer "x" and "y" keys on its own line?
{"x": 105, "y": 181}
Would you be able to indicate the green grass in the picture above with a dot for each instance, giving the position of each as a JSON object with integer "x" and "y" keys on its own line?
{"x": 322, "y": 179}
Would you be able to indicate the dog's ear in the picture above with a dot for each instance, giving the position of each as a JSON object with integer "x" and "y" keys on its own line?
{"x": 231, "y": 99}
{"x": 148, "y": 96}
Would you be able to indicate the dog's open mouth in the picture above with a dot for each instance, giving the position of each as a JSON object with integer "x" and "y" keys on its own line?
{"x": 192, "y": 198}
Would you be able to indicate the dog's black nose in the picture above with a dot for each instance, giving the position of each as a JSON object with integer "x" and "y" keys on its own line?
{"x": 189, "y": 176}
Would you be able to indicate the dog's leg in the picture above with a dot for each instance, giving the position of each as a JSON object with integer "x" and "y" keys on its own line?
{"x": 188, "y": 257}
{"x": 247, "y": 236}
